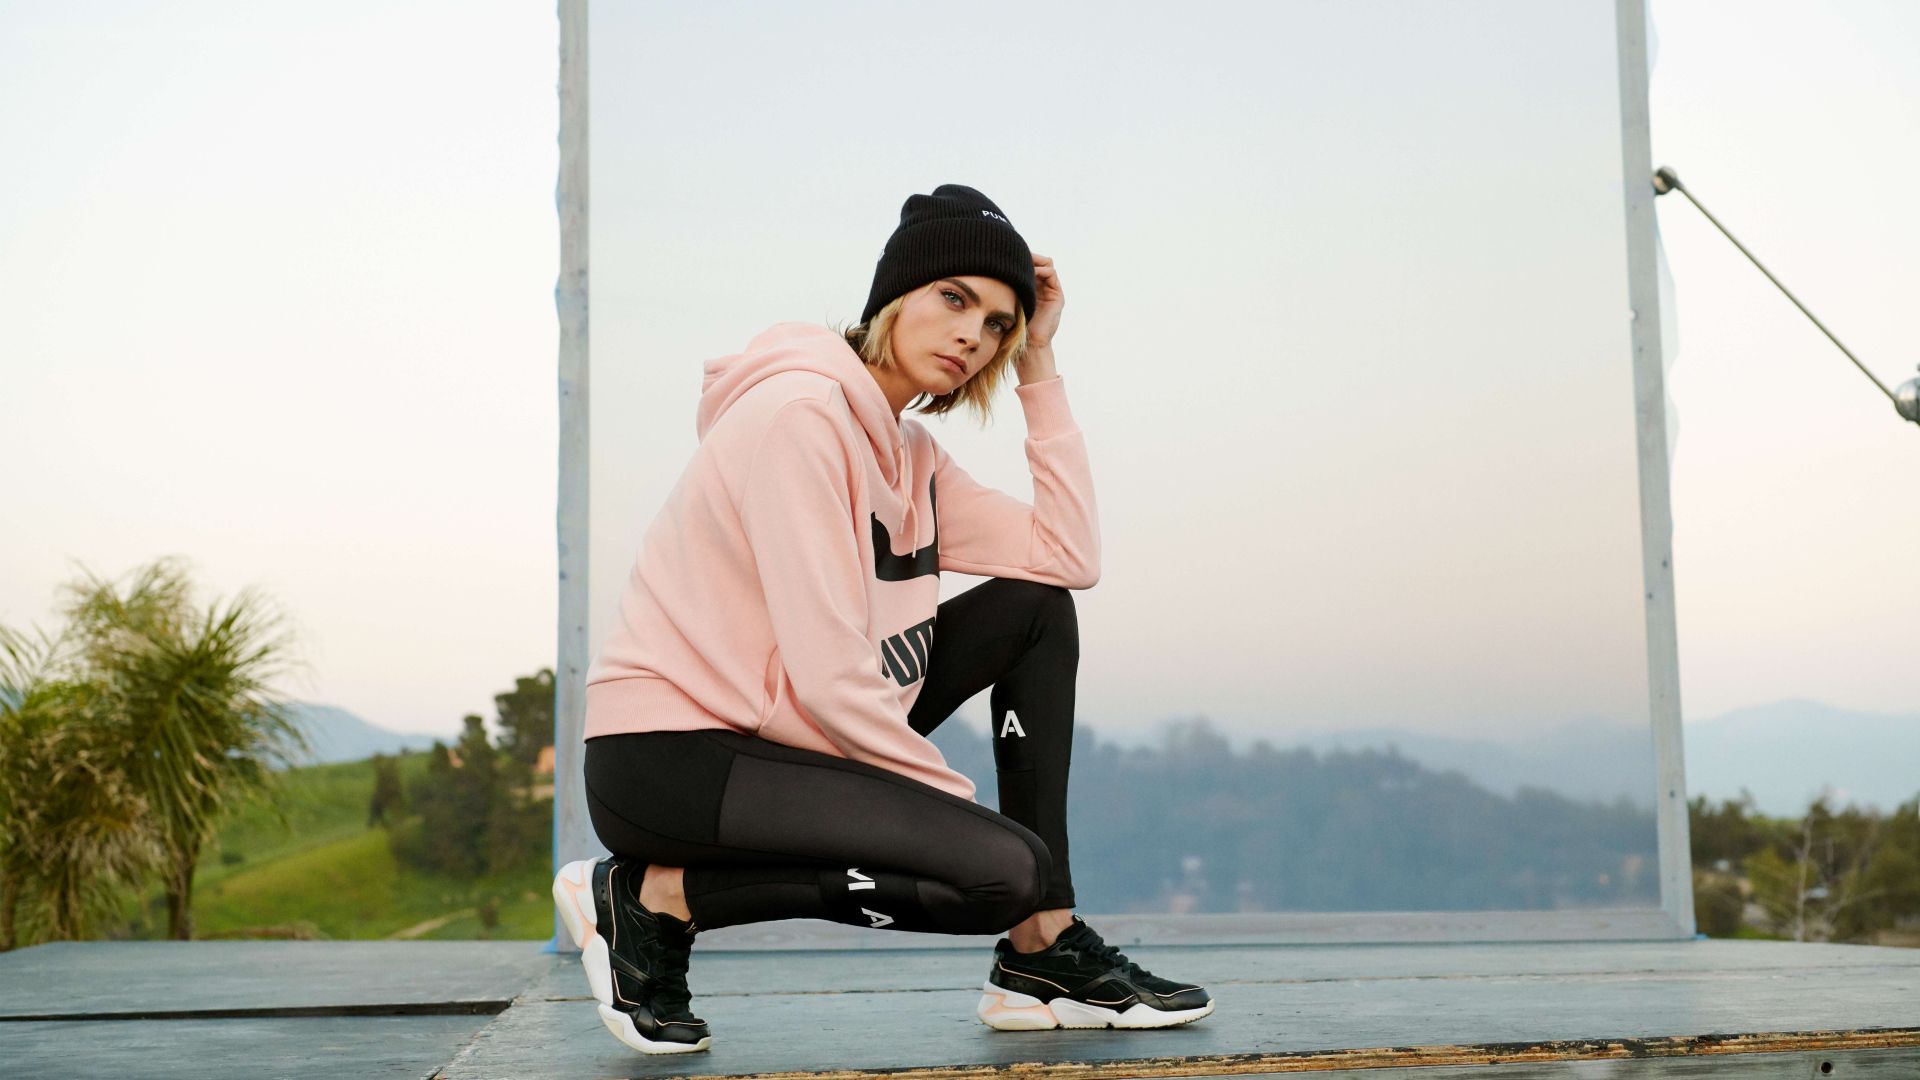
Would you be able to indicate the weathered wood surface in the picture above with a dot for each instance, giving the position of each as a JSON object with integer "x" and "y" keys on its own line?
{"x": 727, "y": 972}
{"x": 126, "y": 979}
{"x": 1892, "y": 1064}
{"x": 1280, "y": 1010}
{"x": 336, "y": 1048}
{"x": 1596, "y": 1009}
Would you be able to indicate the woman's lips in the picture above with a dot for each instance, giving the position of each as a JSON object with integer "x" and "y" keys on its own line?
{"x": 958, "y": 367}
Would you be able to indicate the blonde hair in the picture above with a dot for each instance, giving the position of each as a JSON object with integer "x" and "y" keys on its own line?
{"x": 873, "y": 341}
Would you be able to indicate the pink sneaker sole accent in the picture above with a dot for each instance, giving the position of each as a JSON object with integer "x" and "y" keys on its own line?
{"x": 1008, "y": 1011}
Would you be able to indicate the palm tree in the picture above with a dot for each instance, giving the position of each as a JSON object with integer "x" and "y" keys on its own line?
{"x": 199, "y": 727}
{"x": 73, "y": 832}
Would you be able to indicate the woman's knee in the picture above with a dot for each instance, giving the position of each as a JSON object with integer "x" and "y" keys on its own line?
{"x": 1007, "y": 901}
{"x": 1052, "y": 606}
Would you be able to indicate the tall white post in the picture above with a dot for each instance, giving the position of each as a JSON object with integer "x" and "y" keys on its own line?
{"x": 1656, "y": 507}
{"x": 572, "y": 832}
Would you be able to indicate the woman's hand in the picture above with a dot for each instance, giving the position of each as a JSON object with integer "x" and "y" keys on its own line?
{"x": 1049, "y": 298}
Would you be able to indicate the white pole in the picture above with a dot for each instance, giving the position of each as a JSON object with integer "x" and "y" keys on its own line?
{"x": 572, "y": 832}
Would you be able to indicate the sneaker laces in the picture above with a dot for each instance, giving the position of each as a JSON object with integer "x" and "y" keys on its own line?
{"x": 1110, "y": 955}
{"x": 671, "y": 996}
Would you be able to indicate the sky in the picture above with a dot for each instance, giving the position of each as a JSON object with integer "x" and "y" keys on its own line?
{"x": 276, "y": 294}
{"x": 1392, "y": 483}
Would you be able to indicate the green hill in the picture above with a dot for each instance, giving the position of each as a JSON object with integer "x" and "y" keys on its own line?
{"x": 324, "y": 873}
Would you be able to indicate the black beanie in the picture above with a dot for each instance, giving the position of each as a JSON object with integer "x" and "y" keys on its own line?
{"x": 954, "y": 231}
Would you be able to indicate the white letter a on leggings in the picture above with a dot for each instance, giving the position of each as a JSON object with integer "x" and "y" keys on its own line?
{"x": 878, "y": 919}
{"x": 1012, "y": 723}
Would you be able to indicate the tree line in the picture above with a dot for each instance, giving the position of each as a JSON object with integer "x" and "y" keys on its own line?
{"x": 1192, "y": 824}
{"x": 1844, "y": 875}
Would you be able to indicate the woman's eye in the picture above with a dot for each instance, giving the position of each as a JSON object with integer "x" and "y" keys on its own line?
{"x": 950, "y": 294}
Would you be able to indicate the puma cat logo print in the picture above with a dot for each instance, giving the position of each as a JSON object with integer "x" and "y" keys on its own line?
{"x": 903, "y": 656}
{"x": 925, "y": 560}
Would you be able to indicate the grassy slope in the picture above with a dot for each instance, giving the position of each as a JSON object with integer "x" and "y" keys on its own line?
{"x": 325, "y": 873}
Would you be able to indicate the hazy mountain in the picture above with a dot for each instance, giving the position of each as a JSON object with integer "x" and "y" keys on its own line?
{"x": 338, "y": 735}
{"x": 1784, "y": 752}
{"x": 1584, "y": 762}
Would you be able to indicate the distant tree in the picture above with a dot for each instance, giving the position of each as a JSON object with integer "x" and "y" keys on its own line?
{"x": 1813, "y": 885}
{"x": 526, "y": 716}
{"x": 475, "y": 788}
{"x": 424, "y": 840}
{"x": 520, "y": 823}
{"x": 388, "y": 799}
{"x": 73, "y": 831}
{"x": 1893, "y": 879}
{"x": 1728, "y": 833}
{"x": 455, "y": 800}
{"x": 197, "y": 724}
{"x": 1718, "y": 903}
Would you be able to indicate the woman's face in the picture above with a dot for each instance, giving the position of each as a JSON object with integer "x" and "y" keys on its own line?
{"x": 955, "y": 320}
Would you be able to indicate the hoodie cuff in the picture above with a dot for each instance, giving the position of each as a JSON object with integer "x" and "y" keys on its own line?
{"x": 1045, "y": 403}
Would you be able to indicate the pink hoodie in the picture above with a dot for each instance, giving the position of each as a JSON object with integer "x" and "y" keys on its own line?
{"x": 788, "y": 588}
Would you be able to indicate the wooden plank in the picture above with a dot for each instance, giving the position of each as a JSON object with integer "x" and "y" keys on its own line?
{"x": 174, "y": 978}
{"x": 397, "y": 1046}
{"x": 1893, "y": 1064}
{"x": 1545, "y": 1009}
{"x": 752, "y": 973}
{"x": 1274, "y": 1015}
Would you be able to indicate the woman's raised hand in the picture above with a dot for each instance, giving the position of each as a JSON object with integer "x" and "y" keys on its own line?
{"x": 1048, "y": 300}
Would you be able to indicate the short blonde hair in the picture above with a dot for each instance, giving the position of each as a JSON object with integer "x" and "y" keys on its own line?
{"x": 873, "y": 341}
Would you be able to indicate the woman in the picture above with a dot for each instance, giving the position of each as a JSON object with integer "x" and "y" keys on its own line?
{"x": 756, "y": 721}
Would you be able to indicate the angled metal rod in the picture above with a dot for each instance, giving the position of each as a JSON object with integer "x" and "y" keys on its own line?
{"x": 1665, "y": 179}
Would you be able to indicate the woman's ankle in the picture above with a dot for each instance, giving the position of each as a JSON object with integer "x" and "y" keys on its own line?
{"x": 662, "y": 890}
{"x": 1039, "y": 930}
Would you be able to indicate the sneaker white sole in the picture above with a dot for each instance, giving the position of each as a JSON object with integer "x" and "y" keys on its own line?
{"x": 622, "y": 1027}
{"x": 1006, "y": 1010}
{"x": 573, "y": 896}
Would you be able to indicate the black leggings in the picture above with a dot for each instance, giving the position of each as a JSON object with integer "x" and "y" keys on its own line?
{"x": 767, "y": 831}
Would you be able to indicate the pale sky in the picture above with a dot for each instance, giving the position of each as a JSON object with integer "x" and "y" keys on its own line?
{"x": 1293, "y": 295}
{"x": 276, "y": 293}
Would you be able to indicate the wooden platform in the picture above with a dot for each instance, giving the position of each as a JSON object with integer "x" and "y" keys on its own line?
{"x": 505, "y": 1009}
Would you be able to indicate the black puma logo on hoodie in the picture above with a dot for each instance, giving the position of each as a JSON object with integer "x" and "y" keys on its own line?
{"x": 903, "y": 656}
{"x": 890, "y": 567}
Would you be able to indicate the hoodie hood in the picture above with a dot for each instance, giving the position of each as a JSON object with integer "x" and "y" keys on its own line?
{"x": 790, "y": 346}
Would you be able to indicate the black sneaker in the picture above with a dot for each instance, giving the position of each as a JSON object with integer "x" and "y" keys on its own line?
{"x": 636, "y": 960}
{"x": 1081, "y": 981}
